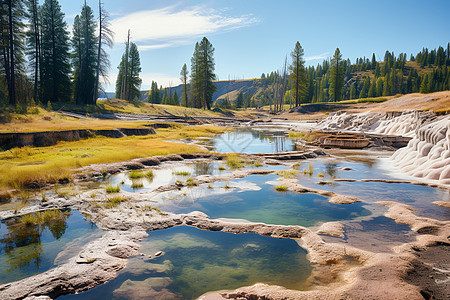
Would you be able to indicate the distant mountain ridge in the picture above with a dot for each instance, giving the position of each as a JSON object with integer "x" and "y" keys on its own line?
{"x": 224, "y": 87}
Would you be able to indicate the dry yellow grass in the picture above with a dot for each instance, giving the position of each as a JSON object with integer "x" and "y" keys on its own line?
{"x": 20, "y": 166}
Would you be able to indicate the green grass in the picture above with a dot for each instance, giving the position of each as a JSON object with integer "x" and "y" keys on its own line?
{"x": 222, "y": 168}
{"x": 114, "y": 202}
{"x": 43, "y": 217}
{"x": 26, "y": 165}
{"x": 191, "y": 182}
{"x": 234, "y": 161}
{"x": 281, "y": 188}
{"x": 136, "y": 174}
{"x": 181, "y": 173}
{"x": 373, "y": 100}
{"x": 112, "y": 189}
{"x": 137, "y": 185}
{"x": 151, "y": 208}
{"x": 288, "y": 174}
{"x": 310, "y": 170}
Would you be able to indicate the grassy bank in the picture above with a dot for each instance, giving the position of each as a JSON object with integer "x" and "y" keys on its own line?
{"x": 21, "y": 166}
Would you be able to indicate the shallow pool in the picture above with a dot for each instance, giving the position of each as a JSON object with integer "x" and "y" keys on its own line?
{"x": 418, "y": 196}
{"x": 255, "y": 199}
{"x": 197, "y": 261}
{"x": 244, "y": 140}
{"x": 27, "y": 249}
{"x": 164, "y": 176}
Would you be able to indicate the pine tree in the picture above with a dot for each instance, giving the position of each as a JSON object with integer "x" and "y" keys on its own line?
{"x": 298, "y": 75}
{"x": 240, "y": 100}
{"x": 372, "y": 89}
{"x": 34, "y": 43}
{"x": 336, "y": 76}
{"x": 365, "y": 88}
{"x": 206, "y": 67}
{"x": 128, "y": 82}
{"x": 387, "y": 85}
{"x": 155, "y": 95}
{"x": 84, "y": 42}
{"x": 12, "y": 47}
{"x": 352, "y": 91}
{"x": 120, "y": 77}
{"x": 424, "y": 85}
{"x": 105, "y": 38}
{"x": 174, "y": 99}
{"x": 379, "y": 89}
{"x": 195, "y": 77}
{"x": 55, "y": 68}
{"x": 135, "y": 81}
{"x": 184, "y": 79}
{"x": 374, "y": 62}
{"x": 164, "y": 97}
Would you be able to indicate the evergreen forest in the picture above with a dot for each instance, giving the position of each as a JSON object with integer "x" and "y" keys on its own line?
{"x": 41, "y": 63}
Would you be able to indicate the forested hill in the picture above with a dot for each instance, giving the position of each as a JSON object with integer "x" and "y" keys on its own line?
{"x": 426, "y": 72}
{"x": 230, "y": 87}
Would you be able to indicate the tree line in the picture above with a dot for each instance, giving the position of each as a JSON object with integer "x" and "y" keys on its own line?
{"x": 40, "y": 63}
{"x": 338, "y": 79}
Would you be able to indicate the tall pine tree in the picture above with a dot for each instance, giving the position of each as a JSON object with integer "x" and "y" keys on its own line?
{"x": 298, "y": 76}
{"x": 84, "y": 43}
{"x": 55, "y": 81}
{"x": 184, "y": 79}
{"x": 336, "y": 76}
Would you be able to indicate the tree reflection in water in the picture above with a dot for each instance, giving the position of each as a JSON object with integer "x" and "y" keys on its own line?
{"x": 22, "y": 243}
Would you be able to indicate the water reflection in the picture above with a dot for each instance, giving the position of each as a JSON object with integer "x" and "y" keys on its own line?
{"x": 26, "y": 233}
{"x": 30, "y": 243}
{"x": 243, "y": 140}
{"x": 163, "y": 176}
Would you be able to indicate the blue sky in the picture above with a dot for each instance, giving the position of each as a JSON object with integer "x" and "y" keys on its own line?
{"x": 254, "y": 36}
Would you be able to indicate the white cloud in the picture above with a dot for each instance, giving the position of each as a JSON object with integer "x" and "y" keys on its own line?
{"x": 169, "y": 27}
{"x": 318, "y": 57}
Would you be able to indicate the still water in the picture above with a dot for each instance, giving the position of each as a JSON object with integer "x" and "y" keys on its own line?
{"x": 254, "y": 198}
{"x": 29, "y": 248}
{"x": 197, "y": 261}
{"x": 244, "y": 140}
